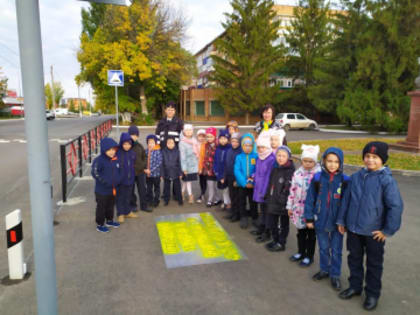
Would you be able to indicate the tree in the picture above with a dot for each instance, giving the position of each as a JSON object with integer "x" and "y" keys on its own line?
{"x": 247, "y": 56}
{"x": 143, "y": 40}
{"x": 72, "y": 108}
{"x": 375, "y": 94}
{"x": 58, "y": 93}
{"x": 3, "y": 90}
{"x": 308, "y": 38}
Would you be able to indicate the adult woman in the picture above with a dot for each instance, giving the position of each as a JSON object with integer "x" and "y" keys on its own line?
{"x": 268, "y": 120}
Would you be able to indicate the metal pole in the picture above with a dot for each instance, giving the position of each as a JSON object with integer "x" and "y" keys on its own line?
{"x": 39, "y": 174}
{"x": 63, "y": 161}
{"x": 116, "y": 109}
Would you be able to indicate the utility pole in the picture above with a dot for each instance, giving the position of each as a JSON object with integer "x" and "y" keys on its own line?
{"x": 39, "y": 173}
{"x": 52, "y": 89}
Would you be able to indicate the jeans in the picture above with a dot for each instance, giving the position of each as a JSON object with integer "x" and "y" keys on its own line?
{"x": 330, "y": 250}
{"x": 358, "y": 246}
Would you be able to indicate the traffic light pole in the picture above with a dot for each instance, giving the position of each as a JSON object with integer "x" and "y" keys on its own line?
{"x": 39, "y": 173}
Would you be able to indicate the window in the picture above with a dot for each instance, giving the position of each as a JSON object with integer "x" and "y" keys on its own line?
{"x": 290, "y": 116}
{"x": 188, "y": 104}
{"x": 199, "y": 108}
{"x": 216, "y": 109}
{"x": 289, "y": 83}
{"x": 279, "y": 116}
{"x": 301, "y": 117}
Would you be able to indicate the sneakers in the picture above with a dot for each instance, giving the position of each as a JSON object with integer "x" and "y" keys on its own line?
{"x": 275, "y": 247}
{"x": 132, "y": 215}
{"x": 102, "y": 229}
{"x": 121, "y": 219}
{"x": 306, "y": 262}
{"x": 296, "y": 257}
{"x": 199, "y": 200}
{"x": 320, "y": 275}
{"x": 113, "y": 224}
{"x": 209, "y": 204}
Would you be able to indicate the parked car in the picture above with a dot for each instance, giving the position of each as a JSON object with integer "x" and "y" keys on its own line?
{"x": 295, "y": 121}
{"x": 50, "y": 114}
{"x": 61, "y": 111}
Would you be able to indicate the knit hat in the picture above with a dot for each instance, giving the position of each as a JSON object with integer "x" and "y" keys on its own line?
{"x": 201, "y": 132}
{"x": 188, "y": 127}
{"x": 263, "y": 141}
{"x": 377, "y": 147}
{"x": 285, "y": 148}
{"x": 151, "y": 136}
{"x": 236, "y": 135}
{"x": 171, "y": 104}
{"x": 133, "y": 130}
{"x": 212, "y": 131}
{"x": 280, "y": 133}
{"x": 310, "y": 152}
{"x": 224, "y": 133}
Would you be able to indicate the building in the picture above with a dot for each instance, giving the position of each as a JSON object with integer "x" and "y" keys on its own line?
{"x": 72, "y": 103}
{"x": 198, "y": 101}
{"x": 13, "y": 103}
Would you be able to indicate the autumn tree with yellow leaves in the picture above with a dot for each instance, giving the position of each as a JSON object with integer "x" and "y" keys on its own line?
{"x": 143, "y": 40}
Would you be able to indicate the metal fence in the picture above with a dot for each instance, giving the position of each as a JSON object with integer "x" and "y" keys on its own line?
{"x": 79, "y": 151}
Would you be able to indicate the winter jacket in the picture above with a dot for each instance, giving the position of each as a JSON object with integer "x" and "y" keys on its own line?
{"x": 169, "y": 128}
{"x": 219, "y": 161}
{"x": 296, "y": 202}
{"x": 106, "y": 171}
{"x": 231, "y": 155}
{"x": 171, "y": 163}
{"x": 189, "y": 160}
{"x": 278, "y": 188}
{"x": 154, "y": 162}
{"x": 127, "y": 161}
{"x": 262, "y": 176}
{"x": 141, "y": 160}
{"x": 324, "y": 195}
{"x": 244, "y": 166}
{"x": 372, "y": 202}
{"x": 210, "y": 151}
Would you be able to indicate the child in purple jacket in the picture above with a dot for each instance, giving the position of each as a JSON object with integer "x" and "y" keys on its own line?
{"x": 263, "y": 169}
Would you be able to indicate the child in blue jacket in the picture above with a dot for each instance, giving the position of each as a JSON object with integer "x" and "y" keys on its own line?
{"x": 321, "y": 211}
{"x": 219, "y": 166}
{"x": 371, "y": 212}
{"x": 244, "y": 170}
{"x": 107, "y": 174}
{"x": 127, "y": 159}
{"x": 153, "y": 171}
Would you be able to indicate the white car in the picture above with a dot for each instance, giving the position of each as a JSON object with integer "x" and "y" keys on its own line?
{"x": 295, "y": 121}
{"x": 50, "y": 114}
{"x": 61, "y": 111}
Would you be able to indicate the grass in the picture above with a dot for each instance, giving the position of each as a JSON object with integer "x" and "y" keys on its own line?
{"x": 347, "y": 144}
{"x": 402, "y": 161}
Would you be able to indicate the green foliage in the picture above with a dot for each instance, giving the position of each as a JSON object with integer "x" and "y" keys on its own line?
{"x": 247, "y": 56}
{"x": 72, "y": 108}
{"x": 143, "y": 120}
{"x": 59, "y": 93}
{"x": 3, "y": 90}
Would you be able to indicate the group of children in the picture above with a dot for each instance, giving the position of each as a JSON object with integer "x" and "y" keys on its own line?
{"x": 257, "y": 179}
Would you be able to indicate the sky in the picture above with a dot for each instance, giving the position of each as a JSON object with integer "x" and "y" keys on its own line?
{"x": 61, "y": 27}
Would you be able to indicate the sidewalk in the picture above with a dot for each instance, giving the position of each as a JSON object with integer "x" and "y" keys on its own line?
{"x": 123, "y": 272}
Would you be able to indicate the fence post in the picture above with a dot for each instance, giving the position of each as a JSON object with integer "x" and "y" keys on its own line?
{"x": 90, "y": 146}
{"x": 80, "y": 156}
{"x": 63, "y": 171}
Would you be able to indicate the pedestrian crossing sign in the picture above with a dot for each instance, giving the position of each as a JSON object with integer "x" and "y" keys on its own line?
{"x": 115, "y": 78}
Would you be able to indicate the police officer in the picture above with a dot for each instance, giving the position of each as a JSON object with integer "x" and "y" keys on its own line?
{"x": 169, "y": 126}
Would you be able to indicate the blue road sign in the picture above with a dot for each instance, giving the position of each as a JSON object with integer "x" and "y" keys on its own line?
{"x": 115, "y": 77}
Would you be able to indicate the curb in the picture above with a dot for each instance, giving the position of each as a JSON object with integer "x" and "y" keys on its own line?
{"x": 195, "y": 127}
{"x": 383, "y": 133}
{"x": 355, "y": 168}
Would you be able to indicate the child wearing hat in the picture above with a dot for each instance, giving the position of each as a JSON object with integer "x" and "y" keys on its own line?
{"x": 219, "y": 166}
{"x": 208, "y": 163}
{"x": 172, "y": 172}
{"x": 139, "y": 167}
{"x": 371, "y": 212}
{"x": 276, "y": 199}
{"x": 202, "y": 140}
{"x": 153, "y": 171}
{"x": 306, "y": 238}
{"x": 277, "y": 138}
{"x": 190, "y": 151}
{"x": 229, "y": 176}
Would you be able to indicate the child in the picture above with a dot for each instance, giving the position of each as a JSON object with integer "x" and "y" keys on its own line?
{"x": 139, "y": 167}
{"x": 277, "y": 139}
{"x": 371, "y": 212}
{"x": 232, "y": 127}
{"x": 172, "y": 171}
{"x": 219, "y": 166}
{"x": 153, "y": 171}
{"x": 276, "y": 199}
{"x": 301, "y": 180}
{"x": 201, "y": 137}
{"x": 107, "y": 174}
{"x": 190, "y": 151}
{"x": 208, "y": 162}
{"x": 229, "y": 176}
{"x": 263, "y": 168}
{"x": 244, "y": 169}
{"x": 127, "y": 158}
{"x": 321, "y": 210}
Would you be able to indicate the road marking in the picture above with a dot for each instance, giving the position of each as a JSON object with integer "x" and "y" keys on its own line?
{"x": 72, "y": 201}
{"x": 4, "y": 141}
{"x": 19, "y": 140}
